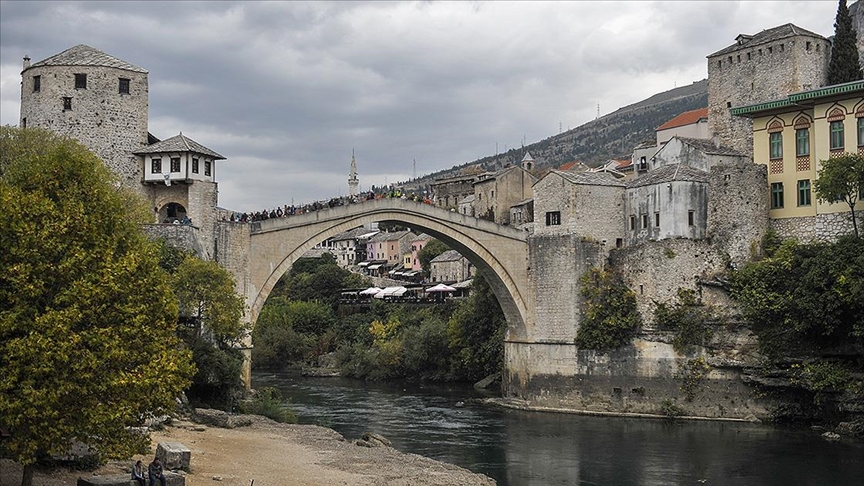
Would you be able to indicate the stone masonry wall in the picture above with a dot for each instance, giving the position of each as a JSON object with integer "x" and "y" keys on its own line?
{"x": 824, "y": 228}
{"x": 556, "y": 262}
{"x": 176, "y": 235}
{"x": 111, "y": 124}
{"x": 738, "y": 209}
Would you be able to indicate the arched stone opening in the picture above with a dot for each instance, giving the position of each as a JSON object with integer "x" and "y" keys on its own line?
{"x": 171, "y": 212}
{"x": 503, "y": 275}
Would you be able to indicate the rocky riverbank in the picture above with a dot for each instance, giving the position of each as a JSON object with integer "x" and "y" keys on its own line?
{"x": 276, "y": 454}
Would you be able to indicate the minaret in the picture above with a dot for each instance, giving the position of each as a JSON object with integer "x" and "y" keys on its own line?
{"x": 353, "y": 182}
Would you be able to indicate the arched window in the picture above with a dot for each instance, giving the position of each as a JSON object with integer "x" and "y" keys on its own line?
{"x": 802, "y": 137}
{"x": 836, "y": 129}
{"x": 775, "y": 140}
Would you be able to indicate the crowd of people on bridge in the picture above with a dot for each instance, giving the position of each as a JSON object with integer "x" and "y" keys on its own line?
{"x": 286, "y": 210}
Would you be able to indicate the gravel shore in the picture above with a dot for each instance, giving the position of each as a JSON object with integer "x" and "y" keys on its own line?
{"x": 274, "y": 454}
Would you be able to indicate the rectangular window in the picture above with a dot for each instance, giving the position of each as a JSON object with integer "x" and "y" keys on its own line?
{"x": 37, "y": 83}
{"x": 837, "y": 142}
{"x": 644, "y": 221}
{"x": 194, "y": 166}
{"x": 67, "y": 103}
{"x": 80, "y": 81}
{"x": 175, "y": 164}
{"x": 206, "y": 167}
{"x": 156, "y": 166}
{"x": 804, "y": 192}
{"x": 861, "y": 132}
{"x": 691, "y": 218}
{"x": 124, "y": 86}
{"x": 775, "y": 145}
{"x": 632, "y": 222}
{"x": 657, "y": 219}
{"x": 802, "y": 142}
{"x": 776, "y": 195}
{"x": 553, "y": 218}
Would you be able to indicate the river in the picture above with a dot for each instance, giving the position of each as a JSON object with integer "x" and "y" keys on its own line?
{"x": 519, "y": 448}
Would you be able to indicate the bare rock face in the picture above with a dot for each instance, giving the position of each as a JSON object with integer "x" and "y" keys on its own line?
{"x": 370, "y": 439}
{"x": 218, "y": 418}
{"x": 174, "y": 455}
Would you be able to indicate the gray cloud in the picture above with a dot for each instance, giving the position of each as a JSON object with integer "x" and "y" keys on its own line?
{"x": 286, "y": 90}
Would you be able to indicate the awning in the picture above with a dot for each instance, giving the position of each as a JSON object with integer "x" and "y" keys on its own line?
{"x": 364, "y": 264}
{"x": 370, "y": 291}
{"x": 441, "y": 288}
{"x": 375, "y": 267}
{"x": 395, "y": 291}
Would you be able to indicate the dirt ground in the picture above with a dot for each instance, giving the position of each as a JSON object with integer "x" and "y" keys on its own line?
{"x": 274, "y": 454}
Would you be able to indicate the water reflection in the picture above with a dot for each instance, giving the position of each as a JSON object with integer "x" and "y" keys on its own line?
{"x": 527, "y": 448}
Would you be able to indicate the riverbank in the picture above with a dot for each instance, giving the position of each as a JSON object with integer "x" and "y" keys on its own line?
{"x": 275, "y": 454}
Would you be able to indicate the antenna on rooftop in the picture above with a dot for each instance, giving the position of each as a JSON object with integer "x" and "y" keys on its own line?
{"x": 598, "y": 111}
{"x": 414, "y": 174}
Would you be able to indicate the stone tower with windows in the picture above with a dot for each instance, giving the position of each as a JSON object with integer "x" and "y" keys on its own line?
{"x": 94, "y": 98}
{"x": 102, "y": 102}
{"x": 758, "y": 68}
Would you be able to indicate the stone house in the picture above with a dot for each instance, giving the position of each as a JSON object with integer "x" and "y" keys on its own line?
{"x": 522, "y": 213}
{"x": 417, "y": 244}
{"x": 495, "y": 193}
{"x": 344, "y": 246}
{"x": 449, "y": 192}
{"x": 450, "y": 266}
{"x": 667, "y": 202}
{"x": 587, "y": 204}
{"x": 791, "y": 136}
{"x": 700, "y": 154}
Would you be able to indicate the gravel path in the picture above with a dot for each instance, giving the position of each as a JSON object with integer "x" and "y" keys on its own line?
{"x": 275, "y": 454}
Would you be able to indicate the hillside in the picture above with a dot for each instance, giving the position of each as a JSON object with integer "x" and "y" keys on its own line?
{"x": 610, "y": 136}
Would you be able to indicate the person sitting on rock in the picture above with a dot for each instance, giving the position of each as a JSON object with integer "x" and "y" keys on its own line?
{"x": 138, "y": 473}
{"x": 155, "y": 472}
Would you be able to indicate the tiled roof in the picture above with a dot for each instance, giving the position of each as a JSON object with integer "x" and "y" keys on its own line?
{"x": 686, "y": 118}
{"x": 351, "y": 234}
{"x": 422, "y": 237}
{"x": 589, "y": 178}
{"x": 708, "y": 147}
{"x": 669, "y": 173}
{"x": 82, "y": 55}
{"x": 385, "y": 236}
{"x": 766, "y": 36}
{"x": 447, "y": 256}
{"x": 179, "y": 143}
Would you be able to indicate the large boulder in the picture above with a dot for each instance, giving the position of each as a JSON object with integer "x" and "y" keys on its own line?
{"x": 174, "y": 455}
{"x": 218, "y": 418}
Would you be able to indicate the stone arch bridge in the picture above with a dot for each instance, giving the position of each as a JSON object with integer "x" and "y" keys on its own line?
{"x": 261, "y": 252}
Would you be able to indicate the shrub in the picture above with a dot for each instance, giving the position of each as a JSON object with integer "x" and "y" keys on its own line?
{"x": 609, "y": 315}
{"x": 688, "y": 318}
{"x": 269, "y": 403}
{"x": 671, "y": 409}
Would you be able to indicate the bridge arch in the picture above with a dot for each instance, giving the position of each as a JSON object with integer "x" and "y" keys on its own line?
{"x": 499, "y": 252}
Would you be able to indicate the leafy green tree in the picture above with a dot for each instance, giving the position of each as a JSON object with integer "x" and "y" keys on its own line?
{"x": 841, "y": 178}
{"x": 805, "y": 299}
{"x": 476, "y": 333}
{"x": 208, "y": 300}
{"x": 844, "y": 65}
{"x": 609, "y": 315}
{"x": 287, "y": 331}
{"x": 87, "y": 317}
{"x": 430, "y": 250}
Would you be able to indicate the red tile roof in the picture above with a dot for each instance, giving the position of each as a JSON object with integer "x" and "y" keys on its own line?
{"x": 568, "y": 165}
{"x": 686, "y": 118}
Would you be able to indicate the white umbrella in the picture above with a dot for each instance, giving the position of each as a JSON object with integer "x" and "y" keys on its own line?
{"x": 399, "y": 290}
{"x": 370, "y": 291}
{"x": 441, "y": 288}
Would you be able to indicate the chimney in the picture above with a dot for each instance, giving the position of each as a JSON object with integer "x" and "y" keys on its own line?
{"x": 26, "y": 61}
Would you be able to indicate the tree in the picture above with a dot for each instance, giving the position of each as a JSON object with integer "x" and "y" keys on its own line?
{"x": 207, "y": 298}
{"x": 841, "y": 178}
{"x": 476, "y": 331}
{"x": 430, "y": 250}
{"x": 87, "y": 316}
{"x": 844, "y": 66}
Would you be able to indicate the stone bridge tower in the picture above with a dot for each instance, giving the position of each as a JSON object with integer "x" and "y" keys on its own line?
{"x": 758, "y": 68}
{"x": 94, "y": 98}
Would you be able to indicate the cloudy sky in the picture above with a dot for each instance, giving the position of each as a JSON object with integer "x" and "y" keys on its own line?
{"x": 286, "y": 90}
